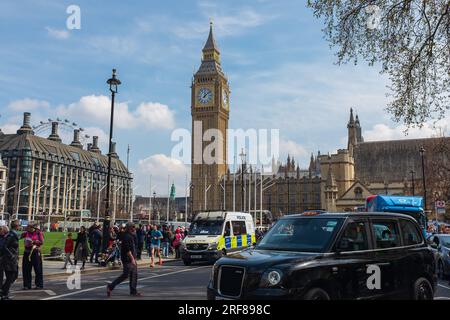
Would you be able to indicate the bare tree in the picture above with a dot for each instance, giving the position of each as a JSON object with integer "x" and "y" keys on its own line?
{"x": 410, "y": 39}
{"x": 437, "y": 170}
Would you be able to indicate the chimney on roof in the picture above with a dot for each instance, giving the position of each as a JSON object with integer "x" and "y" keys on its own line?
{"x": 26, "y": 127}
{"x": 113, "y": 151}
{"x": 89, "y": 146}
{"x": 76, "y": 139}
{"x": 95, "y": 147}
{"x": 54, "y": 136}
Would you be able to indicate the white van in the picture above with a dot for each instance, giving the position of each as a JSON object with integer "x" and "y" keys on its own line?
{"x": 214, "y": 234}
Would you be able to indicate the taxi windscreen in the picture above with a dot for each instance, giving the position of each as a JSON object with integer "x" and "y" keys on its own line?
{"x": 301, "y": 234}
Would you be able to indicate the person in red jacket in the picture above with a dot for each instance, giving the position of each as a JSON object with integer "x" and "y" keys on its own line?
{"x": 68, "y": 249}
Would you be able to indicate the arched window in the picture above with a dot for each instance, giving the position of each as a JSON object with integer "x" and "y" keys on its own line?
{"x": 358, "y": 193}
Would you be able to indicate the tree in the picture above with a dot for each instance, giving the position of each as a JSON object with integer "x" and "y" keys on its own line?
{"x": 437, "y": 171}
{"x": 410, "y": 39}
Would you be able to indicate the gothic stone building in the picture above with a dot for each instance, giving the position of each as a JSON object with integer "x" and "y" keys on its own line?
{"x": 333, "y": 182}
{"x": 57, "y": 178}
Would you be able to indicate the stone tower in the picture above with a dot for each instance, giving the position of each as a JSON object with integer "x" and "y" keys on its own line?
{"x": 210, "y": 113}
{"x": 331, "y": 191}
{"x": 352, "y": 133}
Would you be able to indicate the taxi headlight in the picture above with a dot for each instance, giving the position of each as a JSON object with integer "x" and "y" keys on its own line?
{"x": 271, "y": 278}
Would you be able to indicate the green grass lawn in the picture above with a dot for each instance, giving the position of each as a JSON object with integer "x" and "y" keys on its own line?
{"x": 51, "y": 239}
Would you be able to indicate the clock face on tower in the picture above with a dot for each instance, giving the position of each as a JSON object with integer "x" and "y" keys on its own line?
{"x": 225, "y": 99}
{"x": 204, "y": 95}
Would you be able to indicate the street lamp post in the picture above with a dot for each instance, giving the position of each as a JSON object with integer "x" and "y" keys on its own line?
{"x": 35, "y": 200}
{"x": 154, "y": 202}
{"x": 113, "y": 85}
{"x": 422, "y": 153}
{"x": 412, "y": 182}
{"x": 50, "y": 212}
{"x": 98, "y": 200}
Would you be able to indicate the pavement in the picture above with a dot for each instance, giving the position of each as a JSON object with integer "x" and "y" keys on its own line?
{"x": 170, "y": 281}
{"x": 54, "y": 268}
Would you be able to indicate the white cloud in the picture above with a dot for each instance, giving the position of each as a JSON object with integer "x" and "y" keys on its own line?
{"x": 381, "y": 131}
{"x": 28, "y": 105}
{"x": 97, "y": 109}
{"x": 160, "y": 166}
{"x": 292, "y": 148}
{"x": 229, "y": 24}
{"x": 9, "y": 128}
{"x": 57, "y": 33}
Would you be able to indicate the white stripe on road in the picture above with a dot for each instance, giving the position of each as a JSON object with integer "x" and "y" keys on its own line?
{"x": 49, "y": 292}
{"x": 441, "y": 285}
{"x": 103, "y": 286}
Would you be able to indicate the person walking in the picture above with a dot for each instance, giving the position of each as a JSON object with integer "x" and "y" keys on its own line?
{"x": 166, "y": 241}
{"x": 32, "y": 257}
{"x": 9, "y": 261}
{"x": 68, "y": 249}
{"x": 155, "y": 245}
{"x": 128, "y": 257}
{"x": 177, "y": 243}
{"x": 148, "y": 239}
{"x": 3, "y": 234}
{"x": 140, "y": 235}
{"x": 96, "y": 239}
{"x": 81, "y": 251}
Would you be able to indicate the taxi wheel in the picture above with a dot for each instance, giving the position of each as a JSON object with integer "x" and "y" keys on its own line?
{"x": 422, "y": 290}
{"x": 316, "y": 294}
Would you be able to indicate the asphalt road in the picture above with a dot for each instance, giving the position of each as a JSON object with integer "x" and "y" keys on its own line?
{"x": 172, "y": 281}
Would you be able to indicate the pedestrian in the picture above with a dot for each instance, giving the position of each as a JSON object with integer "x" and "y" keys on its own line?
{"x": 96, "y": 239}
{"x": 128, "y": 257}
{"x": 3, "y": 234}
{"x": 32, "y": 257}
{"x": 68, "y": 249}
{"x": 177, "y": 243}
{"x": 166, "y": 241}
{"x": 148, "y": 240}
{"x": 140, "y": 235}
{"x": 9, "y": 261}
{"x": 155, "y": 245}
{"x": 81, "y": 251}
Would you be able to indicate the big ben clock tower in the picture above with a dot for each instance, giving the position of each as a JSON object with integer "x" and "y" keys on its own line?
{"x": 210, "y": 114}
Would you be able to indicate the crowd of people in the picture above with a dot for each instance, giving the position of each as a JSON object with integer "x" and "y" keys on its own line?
{"x": 158, "y": 240}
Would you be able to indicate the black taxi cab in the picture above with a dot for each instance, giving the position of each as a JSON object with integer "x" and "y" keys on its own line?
{"x": 326, "y": 256}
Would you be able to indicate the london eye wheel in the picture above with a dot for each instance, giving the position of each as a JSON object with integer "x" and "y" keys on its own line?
{"x": 65, "y": 130}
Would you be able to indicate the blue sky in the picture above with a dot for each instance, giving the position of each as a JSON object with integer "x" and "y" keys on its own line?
{"x": 281, "y": 72}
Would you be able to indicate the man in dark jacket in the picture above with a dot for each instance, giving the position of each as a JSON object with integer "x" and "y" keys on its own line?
{"x": 10, "y": 259}
{"x": 128, "y": 257}
{"x": 96, "y": 241}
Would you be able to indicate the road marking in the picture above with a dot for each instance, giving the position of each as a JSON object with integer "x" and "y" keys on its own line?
{"x": 441, "y": 285}
{"x": 441, "y": 298}
{"x": 100, "y": 287}
{"x": 49, "y": 292}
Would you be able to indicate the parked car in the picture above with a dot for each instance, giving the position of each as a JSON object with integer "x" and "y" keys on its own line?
{"x": 441, "y": 243}
{"x": 331, "y": 256}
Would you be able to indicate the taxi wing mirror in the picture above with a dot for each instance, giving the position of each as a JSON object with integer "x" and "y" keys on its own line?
{"x": 434, "y": 245}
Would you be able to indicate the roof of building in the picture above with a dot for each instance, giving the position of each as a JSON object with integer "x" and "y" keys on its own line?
{"x": 49, "y": 149}
{"x": 392, "y": 160}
